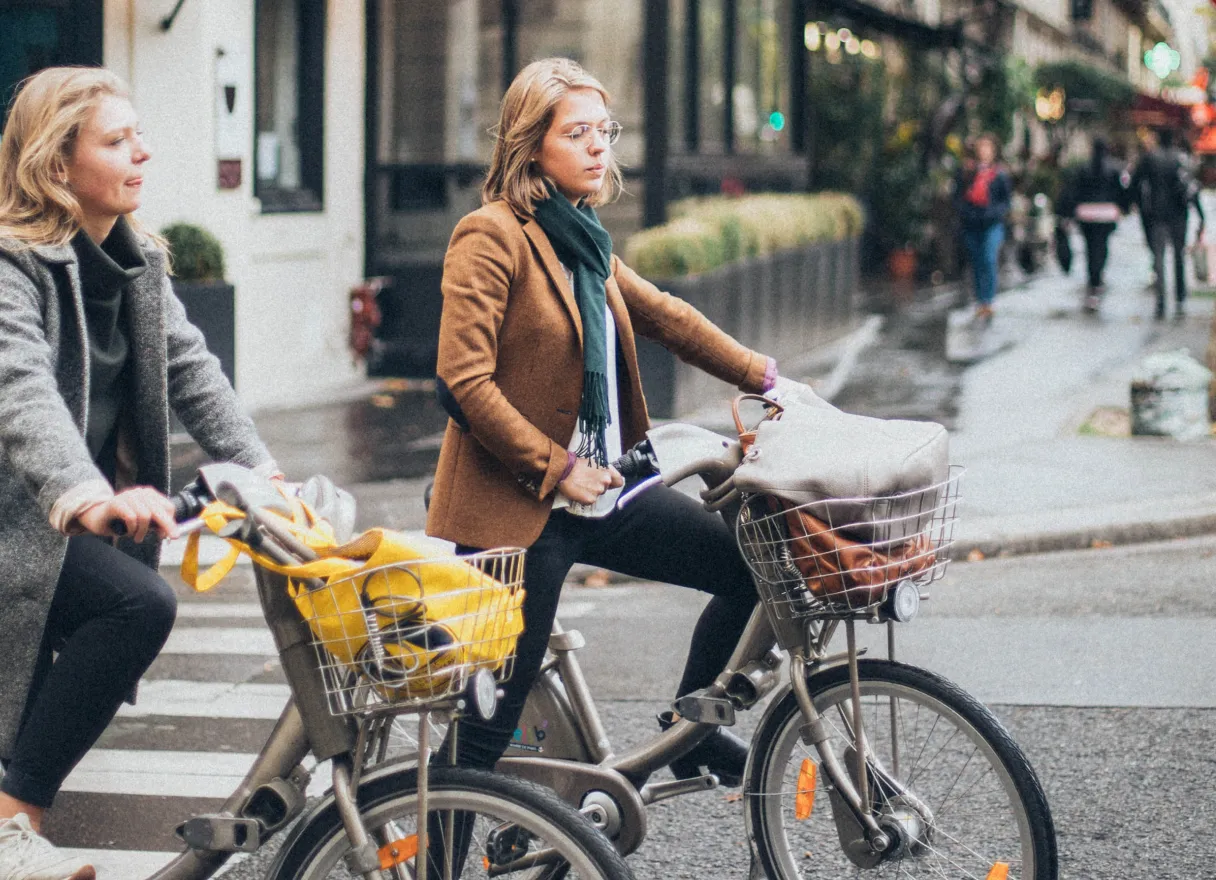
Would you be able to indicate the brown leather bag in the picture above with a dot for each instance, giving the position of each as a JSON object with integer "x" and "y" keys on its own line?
{"x": 835, "y": 567}
{"x": 838, "y": 568}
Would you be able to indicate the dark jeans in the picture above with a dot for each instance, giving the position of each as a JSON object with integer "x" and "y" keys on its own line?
{"x": 1169, "y": 231}
{"x": 1097, "y": 237}
{"x": 661, "y": 535}
{"x": 109, "y": 619}
{"x": 984, "y": 250}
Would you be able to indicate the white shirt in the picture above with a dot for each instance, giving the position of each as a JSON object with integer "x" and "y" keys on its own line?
{"x": 612, "y": 435}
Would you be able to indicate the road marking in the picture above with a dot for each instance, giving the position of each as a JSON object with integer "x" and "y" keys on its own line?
{"x": 221, "y": 640}
{"x": 207, "y": 699}
{"x": 170, "y": 774}
{"x": 208, "y": 610}
{"x": 122, "y": 862}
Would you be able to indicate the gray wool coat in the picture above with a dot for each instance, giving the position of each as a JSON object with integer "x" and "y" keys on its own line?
{"x": 44, "y": 397}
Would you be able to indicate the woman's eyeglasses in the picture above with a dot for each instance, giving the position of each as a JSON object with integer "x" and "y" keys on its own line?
{"x": 583, "y": 135}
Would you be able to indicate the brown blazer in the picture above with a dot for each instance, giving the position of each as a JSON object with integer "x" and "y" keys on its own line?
{"x": 510, "y": 351}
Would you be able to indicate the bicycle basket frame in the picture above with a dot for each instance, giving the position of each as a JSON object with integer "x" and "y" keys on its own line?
{"x": 415, "y": 644}
{"x": 865, "y": 547}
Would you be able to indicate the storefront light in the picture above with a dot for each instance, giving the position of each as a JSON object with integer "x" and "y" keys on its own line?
{"x": 870, "y": 49}
{"x": 852, "y": 45}
{"x": 811, "y": 36}
{"x": 1049, "y": 105}
{"x": 1162, "y": 60}
{"x": 845, "y": 35}
{"x": 832, "y": 42}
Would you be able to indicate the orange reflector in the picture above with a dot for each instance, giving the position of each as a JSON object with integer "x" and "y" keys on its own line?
{"x": 398, "y": 851}
{"x": 804, "y": 801}
{"x": 998, "y": 871}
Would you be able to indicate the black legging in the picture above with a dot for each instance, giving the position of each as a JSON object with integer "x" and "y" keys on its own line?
{"x": 661, "y": 535}
{"x": 109, "y": 619}
{"x": 1097, "y": 236}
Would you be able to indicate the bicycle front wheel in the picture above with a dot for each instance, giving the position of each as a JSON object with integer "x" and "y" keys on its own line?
{"x": 480, "y": 825}
{"x": 955, "y": 793}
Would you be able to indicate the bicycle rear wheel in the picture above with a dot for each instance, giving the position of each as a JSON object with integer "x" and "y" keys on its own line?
{"x": 510, "y": 828}
{"x": 945, "y": 778}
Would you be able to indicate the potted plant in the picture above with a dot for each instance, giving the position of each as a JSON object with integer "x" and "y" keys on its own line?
{"x": 198, "y": 280}
{"x": 899, "y": 201}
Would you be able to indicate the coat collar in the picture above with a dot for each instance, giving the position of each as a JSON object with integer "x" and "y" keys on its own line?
{"x": 54, "y": 253}
{"x": 553, "y": 266}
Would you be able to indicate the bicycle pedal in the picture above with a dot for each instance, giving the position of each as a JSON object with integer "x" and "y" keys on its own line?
{"x": 215, "y": 833}
{"x": 705, "y": 710}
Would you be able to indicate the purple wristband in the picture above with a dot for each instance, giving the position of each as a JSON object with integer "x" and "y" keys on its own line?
{"x": 571, "y": 458}
{"x": 770, "y": 375}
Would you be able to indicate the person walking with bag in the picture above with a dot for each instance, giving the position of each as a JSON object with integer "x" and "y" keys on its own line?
{"x": 983, "y": 192}
{"x": 1096, "y": 198}
{"x": 538, "y": 369}
{"x": 1169, "y": 190}
{"x": 95, "y": 350}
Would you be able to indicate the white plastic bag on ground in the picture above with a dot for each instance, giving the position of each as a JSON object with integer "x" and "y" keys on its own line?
{"x": 1169, "y": 396}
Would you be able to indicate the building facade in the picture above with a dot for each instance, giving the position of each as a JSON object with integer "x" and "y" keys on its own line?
{"x": 255, "y": 115}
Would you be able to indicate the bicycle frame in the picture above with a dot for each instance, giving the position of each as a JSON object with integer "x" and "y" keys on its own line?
{"x": 272, "y": 794}
{"x": 577, "y": 759}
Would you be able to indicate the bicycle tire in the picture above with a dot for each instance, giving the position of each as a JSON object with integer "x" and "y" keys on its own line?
{"x": 950, "y": 747}
{"x": 388, "y": 804}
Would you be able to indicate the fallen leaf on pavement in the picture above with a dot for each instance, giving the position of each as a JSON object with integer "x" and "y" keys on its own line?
{"x": 383, "y": 401}
{"x": 1100, "y": 544}
{"x": 734, "y": 797}
{"x": 976, "y": 555}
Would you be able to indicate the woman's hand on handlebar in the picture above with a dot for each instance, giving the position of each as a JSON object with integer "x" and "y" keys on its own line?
{"x": 587, "y": 482}
{"x": 137, "y": 509}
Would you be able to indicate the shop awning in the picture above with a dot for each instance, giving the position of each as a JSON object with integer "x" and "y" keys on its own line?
{"x": 1159, "y": 113}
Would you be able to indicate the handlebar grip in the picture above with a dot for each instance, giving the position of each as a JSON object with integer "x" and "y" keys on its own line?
{"x": 639, "y": 461}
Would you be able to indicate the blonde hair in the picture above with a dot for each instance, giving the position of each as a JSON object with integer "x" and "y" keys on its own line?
{"x": 527, "y": 112}
{"x": 45, "y": 117}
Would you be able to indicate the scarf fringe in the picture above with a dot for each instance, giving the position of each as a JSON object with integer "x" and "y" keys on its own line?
{"x": 593, "y": 419}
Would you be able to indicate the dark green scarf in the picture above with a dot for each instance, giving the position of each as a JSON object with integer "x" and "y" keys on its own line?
{"x": 585, "y": 248}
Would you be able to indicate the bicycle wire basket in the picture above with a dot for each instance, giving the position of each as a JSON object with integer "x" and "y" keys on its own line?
{"x": 414, "y": 632}
{"x": 840, "y": 556}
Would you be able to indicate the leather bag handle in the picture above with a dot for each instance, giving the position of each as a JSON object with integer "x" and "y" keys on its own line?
{"x": 773, "y": 410}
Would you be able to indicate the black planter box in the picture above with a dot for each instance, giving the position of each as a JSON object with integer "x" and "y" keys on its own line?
{"x": 211, "y": 307}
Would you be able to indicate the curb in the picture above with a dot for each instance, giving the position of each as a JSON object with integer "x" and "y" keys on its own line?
{"x": 1085, "y": 537}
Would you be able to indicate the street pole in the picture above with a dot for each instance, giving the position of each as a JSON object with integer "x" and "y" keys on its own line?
{"x": 654, "y": 111}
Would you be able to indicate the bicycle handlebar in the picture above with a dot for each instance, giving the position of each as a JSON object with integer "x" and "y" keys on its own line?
{"x": 187, "y": 504}
{"x": 640, "y": 461}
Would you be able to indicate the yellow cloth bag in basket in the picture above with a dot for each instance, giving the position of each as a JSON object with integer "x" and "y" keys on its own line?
{"x": 412, "y": 623}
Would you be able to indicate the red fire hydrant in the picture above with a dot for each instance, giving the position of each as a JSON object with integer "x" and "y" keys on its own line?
{"x": 365, "y": 316}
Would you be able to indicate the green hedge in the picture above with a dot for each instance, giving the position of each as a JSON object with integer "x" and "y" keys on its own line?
{"x": 709, "y": 232}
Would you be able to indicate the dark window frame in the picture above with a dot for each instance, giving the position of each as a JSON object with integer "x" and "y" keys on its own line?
{"x": 310, "y": 115}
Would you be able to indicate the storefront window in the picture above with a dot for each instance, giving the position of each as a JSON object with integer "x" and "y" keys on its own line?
{"x": 289, "y": 68}
{"x": 761, "y": 94}
{"x": 711, "y": 98}
{"x": 606, "y": 39}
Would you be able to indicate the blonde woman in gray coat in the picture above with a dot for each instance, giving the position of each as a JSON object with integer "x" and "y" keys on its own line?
{"x": 94, "y": 352}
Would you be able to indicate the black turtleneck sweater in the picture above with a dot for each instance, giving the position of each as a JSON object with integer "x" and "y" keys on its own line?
{"x": 105, "y": 273}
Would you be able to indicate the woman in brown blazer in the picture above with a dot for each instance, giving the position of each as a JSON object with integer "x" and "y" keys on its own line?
{"x": 538, "y": 368}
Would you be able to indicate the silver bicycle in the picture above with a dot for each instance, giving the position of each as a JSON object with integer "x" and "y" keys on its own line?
{"x": 858, "y": 765}
{"x": 378, "y": 821}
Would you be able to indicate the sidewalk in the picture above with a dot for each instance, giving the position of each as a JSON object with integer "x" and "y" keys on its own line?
{"x": 1035, "y": 482}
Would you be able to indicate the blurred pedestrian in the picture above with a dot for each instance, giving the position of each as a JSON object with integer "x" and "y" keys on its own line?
{"x": 95, "y": 350}
{"x": 982, "y": 195}
{"x": 1165, "y": 177}
{"x": 1096, "y": 198}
